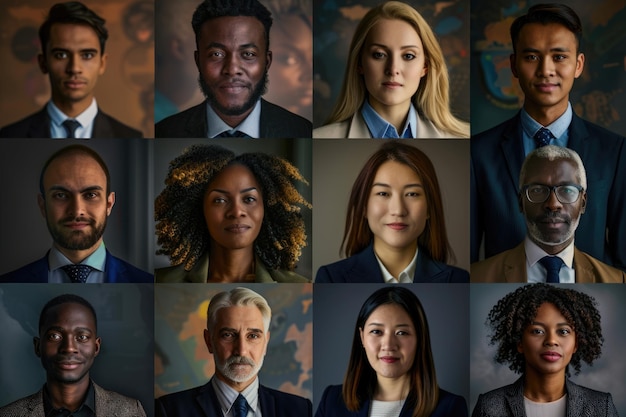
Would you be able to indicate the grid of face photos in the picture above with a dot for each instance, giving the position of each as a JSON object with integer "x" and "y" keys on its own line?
{"x": 329, "y": 208}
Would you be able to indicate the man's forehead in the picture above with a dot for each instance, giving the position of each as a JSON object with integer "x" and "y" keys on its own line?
{"x": 75, "y": 312}
{"x": 74, "y": 161}
{"x": 540, "y": 167}
{"x": 239, "y": 315}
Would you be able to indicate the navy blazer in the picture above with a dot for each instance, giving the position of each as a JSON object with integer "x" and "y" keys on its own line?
{"x": 37, "y": 125}
{"x": 363, "y": 267}
{"x": 508, "y": 401}
{"x": 115, "y": 271}
{"x": 276, "y": 122}
{"x": 496, "y": 160}
{"x": 332, "y": 405}
{"x": 202, "y": 402}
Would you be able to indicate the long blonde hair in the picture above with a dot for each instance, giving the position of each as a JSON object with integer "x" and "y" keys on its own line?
{"x": 431, "y": 99}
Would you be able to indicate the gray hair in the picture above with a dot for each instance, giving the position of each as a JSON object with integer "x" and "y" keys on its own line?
{"x": 239, "y": 296}
{"x": 551, "y": 153}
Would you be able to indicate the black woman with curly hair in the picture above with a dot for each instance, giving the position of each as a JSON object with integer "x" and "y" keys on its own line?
{"x": 230, "y": 218}
{"x": 540, "y": 331}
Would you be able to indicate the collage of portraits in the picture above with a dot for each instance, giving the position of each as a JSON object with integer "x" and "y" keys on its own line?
{"x": 329, "y": 208}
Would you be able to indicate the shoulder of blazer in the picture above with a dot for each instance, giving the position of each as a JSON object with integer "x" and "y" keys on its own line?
{"x": 113, "y": 404}
{"x": 590, "y": 269}
{"x": 283, "y": 403}
{"x": 190, "y": 123}
{"x": 508, "y": 128}
{"x": 106, "y": 126}
{"x": 36, "y": 125}
{"x": 118, "y": 270}
{"x": 429, "y": 270}
{"x": 277, "y": 122}
{"x": 33, "y": 272}
{"x": 337, "y": 130}
{"x": 360, "y": 267}
{"x": 31, "y": 406}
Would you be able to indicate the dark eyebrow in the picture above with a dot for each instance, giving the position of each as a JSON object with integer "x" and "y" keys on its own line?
{"x": 380, "y": 45}
{"x": 83, "y": 190}
{"x": 222, "y": 46}
{"x": 557, "y": 49}
{"x": 380, "y": 184}
{"x": 538, "y": 323}
{"x": 382, "y": 324}
{"x": 245, "y": 190}
{"x": 92, "y": 50}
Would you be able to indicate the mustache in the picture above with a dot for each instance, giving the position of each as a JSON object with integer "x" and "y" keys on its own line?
{"x": 239, "y": 360}
{"x": 553, "y": 217}
{"x": 78, "y": 219}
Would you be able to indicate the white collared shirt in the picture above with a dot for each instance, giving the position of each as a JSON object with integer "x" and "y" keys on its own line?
{"x": 251, "y": 125}
{"x": 86, "y": 119}
{"x": 535, "y": 272}
{"x": 405, "y": 277}
{"x": 226, "y": 396}
{"x": 56, "y": 260}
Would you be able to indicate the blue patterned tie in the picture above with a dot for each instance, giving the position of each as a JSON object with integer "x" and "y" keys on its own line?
{"x": 553, "y": 265}
{"x": 70, "y": 126}
{"x": 240, "y": 407}
{"x": 543, "y": 137}
{"x": 77, "y": 273}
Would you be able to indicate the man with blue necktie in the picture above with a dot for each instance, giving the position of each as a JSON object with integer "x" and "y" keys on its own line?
{"x": 552, "y": 198}
{"x": 237, "y": 335}
{"x": 547, "y": 59}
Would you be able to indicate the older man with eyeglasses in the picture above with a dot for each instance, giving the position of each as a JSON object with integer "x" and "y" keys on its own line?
{"x": 552, "y": 197}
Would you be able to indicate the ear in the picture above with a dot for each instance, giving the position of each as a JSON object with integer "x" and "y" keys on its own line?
{"x": 207, "y": 340}
{"x": 98, "y": 343}
{"x": 43, "y": 66}
{"x": 269, "y": 56}
{"x": 103, "y": 64}
{"x": 424, "y": 70}
{"x": 580, "y": 65}
{"x": 583, "y": 207}
{"x": 42, "y": 205}
{"x": 110, "y": 202}
{"x": 512, "y": 63}
{"x": 37, "y": 346}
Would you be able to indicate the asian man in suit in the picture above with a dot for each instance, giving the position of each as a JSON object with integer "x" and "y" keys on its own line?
{"x": 546, "y": 60}
{"x": 552, "y": 198}
{"x": 72, "y": 42}
{"x": 68, "y": 345}
{"x": 76, "y": 200}
{"x": 233, "y": 59}
{"x": 237, "y": 335}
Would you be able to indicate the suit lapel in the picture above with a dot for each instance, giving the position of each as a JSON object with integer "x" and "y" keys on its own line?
{"x": 196, "y": 125}
{"x": 513, "y": 149}
{"x": 365, "y": 267}
{"x": 583, "y": 270}
{"x": 40, "y": 125}
{"x": 207, "y": 400}
{"x": 427, "y": 270}
{"x": 102, "y": 127}
{"x": 358, "y": 128}
{"x": 578, "y": 136}
{"x": 267, "y": 402}
{"x": 515, "y": 398}
{"x": 515, "y": 265}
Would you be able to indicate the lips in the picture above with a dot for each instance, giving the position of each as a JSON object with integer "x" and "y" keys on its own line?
{"x": 74, "y": 84}
{"x": 68, "y": 365}
{"x": 551, "y": 356}
{"x": 389, "y": 359}
{"x": 237, "y": 228}
{"x": 392, "y": 84}
{"x": 546, "y": 87}
{"x": 397, "y": 226}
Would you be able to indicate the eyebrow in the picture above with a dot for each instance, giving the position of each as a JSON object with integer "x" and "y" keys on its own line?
{"x": 93, "y": 50}
{"x": 245, "y": 190}
{"x": 222, "y": 46}
{"x": 380, "y": 45}
{"x": 538, "y": 323}
{"x": 381, "y": 184}
{"x": 557, "y": 49}
{"x": 82, "y": 190}
{"x": 61, "y": 329}
{"x": 382, "y": 324}
{"x": 250, "y": 329}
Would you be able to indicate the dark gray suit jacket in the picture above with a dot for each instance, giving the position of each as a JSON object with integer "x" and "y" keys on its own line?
{"x": 496, "y": 160}
{"x": 276, "y": 122}
{"x": 108, "y": 403}
{"x": 37, "y": 125}
{"x": 508, "y": 401}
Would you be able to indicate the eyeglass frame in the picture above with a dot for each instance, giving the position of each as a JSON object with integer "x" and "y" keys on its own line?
{"x": 552, "y": 189}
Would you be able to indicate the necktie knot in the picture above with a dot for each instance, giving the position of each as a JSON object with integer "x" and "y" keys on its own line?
{"x": 553, "y": 265}
{"x": 543, "y": 137}
{"x": 240, "y": 406}
{"x": 232, "y": 134}
{"x": 70, "y": 126}
{"x": 77, "y": 273}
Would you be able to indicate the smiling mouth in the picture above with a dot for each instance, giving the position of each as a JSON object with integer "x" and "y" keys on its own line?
{"x": 397, "y": 226}
{"x": 238, "y": 228}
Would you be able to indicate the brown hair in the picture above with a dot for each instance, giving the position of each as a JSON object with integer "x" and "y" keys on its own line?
{"x": 357, "y": 234}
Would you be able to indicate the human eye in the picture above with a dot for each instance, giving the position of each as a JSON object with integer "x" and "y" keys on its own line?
{"x": 248, "y": 54}
{"x": 536, "y": 331}
{"x": 560, "y": 57}
{"x": 249, "y": 199}
{"x": 564, "y": 331}
{"x": 216, "y": 54}
{"x": 531, "y": 57}
{"x": 88, "y": 55}
{"x": 60, "y": 55}
{"x": 227, "y": 335}
{"x": 54, "y": 337}
{"x": 378, "y": 55}
{"x": 220, "y": 200}
{"x": 91, "y": 195}
{"x": 408, "y": 56}
{"x": 402, "y": 333}
{"x": 376, "y": 332}
{"x": 59, "y": 195}
{"x": 82, "y": 338}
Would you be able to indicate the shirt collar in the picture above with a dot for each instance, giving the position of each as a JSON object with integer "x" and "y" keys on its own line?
{"x": 380, "y": 128}
{"x": 86, "y": 118}
{"x": 558, "y": 127}
{"x": 405, "y": 277}
{"x": 96, "y": 260}
{"x": 250, "y": 125}
{"x": 226, "y": 395}
{"x": 87, "y": 408}
{"x": 534, "y": 253}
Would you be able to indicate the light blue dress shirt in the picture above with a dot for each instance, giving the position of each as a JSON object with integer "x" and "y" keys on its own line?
{"x": 380, "y": 128}
{"x": 86, "y": 118}
{"x": 250, "y": 125}
{"x": 558, "y": 128}
{"x": 96, "y": 260}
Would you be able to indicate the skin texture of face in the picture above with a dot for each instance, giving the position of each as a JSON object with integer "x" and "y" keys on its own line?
{"x": 238, "y": 343}
{"x": 546, "y": 64}
{"x": 233, "y": 60}
{"x": 75, "y": 206}
{"x": 392, "y": 65}
{"x": 390, "y": 342}
{"x": 233, "y": 209}
{"x": 73, "y": 62}
{"x": 397, "y": 210}
{"x": 551, "y": 224}
{"x": 548, "y": 344}
{"x": 291, "y": 74}
{"x": 67, "y": 344}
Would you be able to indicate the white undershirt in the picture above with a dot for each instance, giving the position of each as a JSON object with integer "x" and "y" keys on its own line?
{"x": 552, "y": 409}
{"x": 386, "y": 408}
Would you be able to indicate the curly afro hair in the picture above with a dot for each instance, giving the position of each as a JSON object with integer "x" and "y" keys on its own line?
{"x": 178, "y": 210}
{"x": 510, "y": 316}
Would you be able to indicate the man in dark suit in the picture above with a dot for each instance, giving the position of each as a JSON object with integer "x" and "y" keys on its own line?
{"x": 237, "y": 335}
{"x": 546, "y": 59}
{"x": 75, "y": 199}
{"x": 68, "y": 344}
{"x": 552, "y": 198}
{"x": 72, "y": 41}
{"x": 233, "y": 59}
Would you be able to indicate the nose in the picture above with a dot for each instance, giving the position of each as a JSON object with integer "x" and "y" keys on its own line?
{"x": 231, "y": 65}
{"x": 552, "y": 203}
{"x": 550, "y": 339}
{"x": 76, "y": 206}
{"x": 389, "y": 342}
{"x": 239, "y": 346}
{"x": 392, "y": 66}
{"x": 68, "y": 345}
{"x": 397, "y": 205}
{"x": 545, "y": 68}
{"x": 236, "y": 209}
{"x": 73, "y": 64}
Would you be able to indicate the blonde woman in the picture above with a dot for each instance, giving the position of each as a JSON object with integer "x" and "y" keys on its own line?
{"x": 396, "y": 82}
